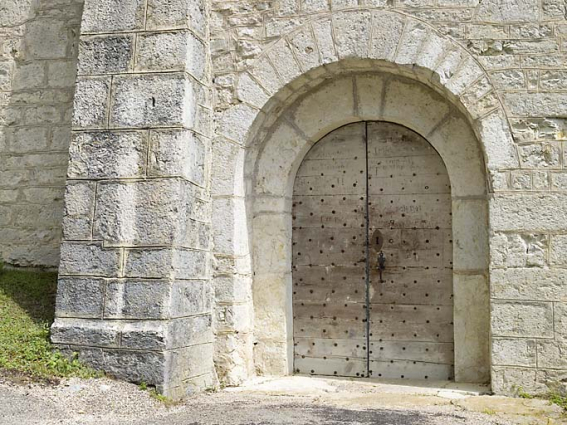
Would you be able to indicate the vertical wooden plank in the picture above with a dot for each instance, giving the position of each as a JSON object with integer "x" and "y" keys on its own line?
{"x": 329, "y": 242}
{"x": 411, "y": 326}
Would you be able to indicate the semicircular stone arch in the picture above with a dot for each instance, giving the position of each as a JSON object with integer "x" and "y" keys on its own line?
{"x": 344, "y": 67}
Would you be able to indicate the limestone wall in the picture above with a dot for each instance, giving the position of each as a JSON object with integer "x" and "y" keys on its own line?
{"x": 38, "y": 51}
{"x": 522, "y": 46}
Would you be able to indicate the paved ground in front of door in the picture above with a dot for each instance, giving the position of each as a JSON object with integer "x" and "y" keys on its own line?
{"x": 293, "y": 400}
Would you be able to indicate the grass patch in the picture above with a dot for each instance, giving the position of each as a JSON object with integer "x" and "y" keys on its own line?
{"x": 558, "y": 399}
{"x": 27, "y": 308}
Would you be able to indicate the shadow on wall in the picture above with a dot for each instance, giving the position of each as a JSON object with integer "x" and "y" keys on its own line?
{"x": 38, "y": 60}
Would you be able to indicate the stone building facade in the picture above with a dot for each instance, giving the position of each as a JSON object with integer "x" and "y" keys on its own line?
{"x": 180, "y": 134}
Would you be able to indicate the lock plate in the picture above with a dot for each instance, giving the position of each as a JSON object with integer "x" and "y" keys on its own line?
{"x": 377, "y": 241}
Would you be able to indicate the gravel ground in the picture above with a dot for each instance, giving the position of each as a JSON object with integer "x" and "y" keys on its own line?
{"x": 294, "y": 400}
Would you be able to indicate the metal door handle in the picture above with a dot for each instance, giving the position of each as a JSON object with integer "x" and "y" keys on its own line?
{"x": 381, "y": 264}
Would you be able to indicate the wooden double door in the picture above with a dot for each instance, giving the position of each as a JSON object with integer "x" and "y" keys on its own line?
{"x": 369, "y": 189}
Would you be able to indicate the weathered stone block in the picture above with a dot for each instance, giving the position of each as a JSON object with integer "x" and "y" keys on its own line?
{"x": 186, "y": 363}
{"x": 323, "y": 30}
{"x": 190, "y": 298}
{"x": 536, "y": 104}
{"x": 104, "y": 16}
{"x": 524, "y": 212}
{"x": 153, "y": 100}
{"x": 170, "y": 14}
{"x": 352, "y": 32}
{"x": 149, "y": 263}
{"x": 386, "y": 33}
{"x": 178, "y": 153}
{"x": 78, "y": 297}
{"x": 29, "y": 76}
{"x": 522, "y": 319}
{"x": 232, "y": 289}
{"x": 545, "y": 155}
{"x": 330, "y": 105}
{"x": 233, "y": 318}
{"x": 551, "y": 354}
{"x": 144, "y": 335}
{"x": 513, "y": 250}
{"x": 472, "y": 328}
{"x": 508, "y": 11}
{"x": 107, "y": 54}
{"x": 171, "y": 51}
{"x": 135, "y": 366}
{"x": 144, "y": 213}
{"x": 190, "y": 331}
{"x": 62, "y": 74}
{"x": 47, "y": 39}
{"x": 22, "y": 140}
{"x": 235, "y": 122}
{"x": 507, "y": 380}
{"x": 166, "y": 263}
{"x": 137, "y": 299}
{"x": 560, "y": 325}
{"x": 305, "y": 48}
{"x": 79, "y": 205}
{"x": 91, "y": 102}
{"x": 413, "y": 37}
{"x": 98, "y": 155}
{"x": 85, "y": 332}
{"x": 251, "y": 92}
{"x": 413, "y": 105}
{"x": 514, "y": 352}
{"x": 88, "y": 260}
{"x": 230, "y": 235}
{"x": 283, "y": 59}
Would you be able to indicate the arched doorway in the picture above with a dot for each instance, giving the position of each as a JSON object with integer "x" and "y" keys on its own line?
{"x": 372, "y": 196}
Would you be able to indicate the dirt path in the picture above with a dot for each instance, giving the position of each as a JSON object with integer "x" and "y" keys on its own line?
{"x": 294, "y": 400}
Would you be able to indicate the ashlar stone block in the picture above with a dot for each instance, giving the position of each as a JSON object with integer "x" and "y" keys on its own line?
{"x": 522, "y": 319}
{"x": 411, "y": 104}
{"x": 89, "y": 260}
{"x": 108, "y": 54}
{"x": 172, "y": 14}
{"x": 514, "y": 352}
{"x": 551, "y": 354}
{"x": 104, "y": 16}
{"x": 524, "y": 212}
{"x": 171, "y": 51}
{"x": 91, "y": 102}
{"x": 142, "y": 213}
{"x": 386, "y": 33}
{"x": 47, "y": 39}
{"x": 323, "y": 30}
{"x": 178, "y": 153}
{"x": 305, "y": 48}
{"x": 99, "y": 155}
{"x": 352, "y": 32}
{"x": 79, "y": 205}
{"x": 153, "y": 100}
{"x": 528, "y": 284}
{"x": 78, "y": 297}
{"x": 85, "y": 332}
{"x": 508, "y": 11}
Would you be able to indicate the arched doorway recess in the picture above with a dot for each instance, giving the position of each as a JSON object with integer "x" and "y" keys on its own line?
{"x": 274, "y": 157}
{"x": 372, "y": 259}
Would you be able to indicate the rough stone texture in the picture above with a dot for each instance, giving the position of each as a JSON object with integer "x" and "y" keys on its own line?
{"x": 38, "y": 60}
{"x": 135, "y": 267}
{"x": 517, "y": 45}
{"x": 140, "y": 195}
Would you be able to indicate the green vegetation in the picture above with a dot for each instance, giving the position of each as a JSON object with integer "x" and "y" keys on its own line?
{"x": 554, "y": 397}
{"x": 157, "y": 396}
{"x": 559, "y": 399}
{"x": 27, "y": 308}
